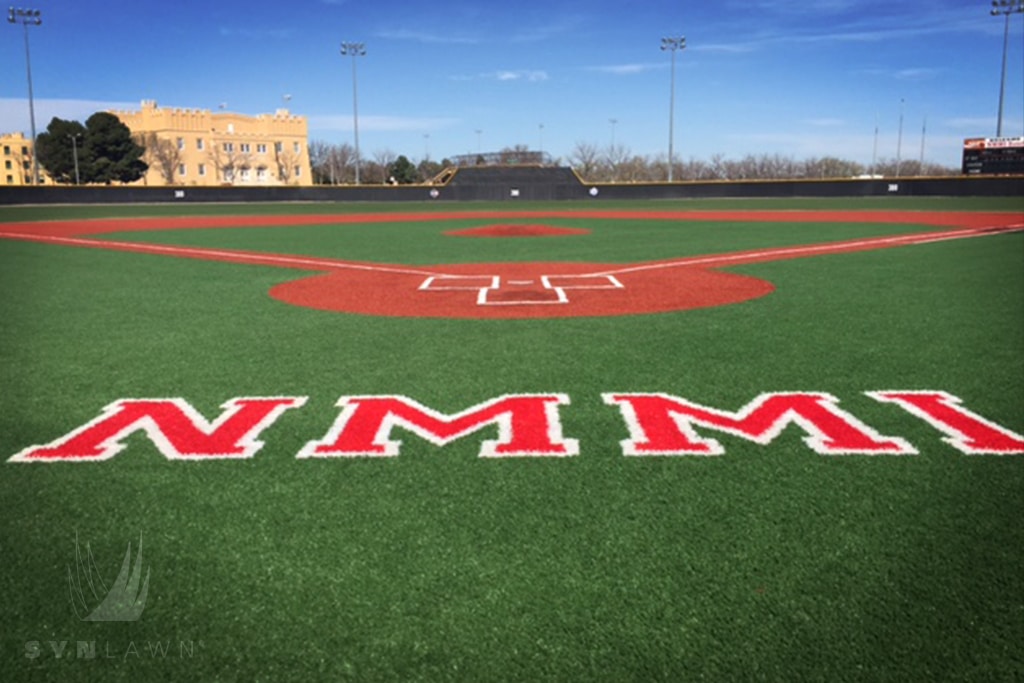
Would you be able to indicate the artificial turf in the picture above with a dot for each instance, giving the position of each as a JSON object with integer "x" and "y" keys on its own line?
{"x": 767, "y": 563}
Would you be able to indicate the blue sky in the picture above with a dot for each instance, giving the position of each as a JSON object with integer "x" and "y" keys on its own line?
{"x": 799, "y": 78}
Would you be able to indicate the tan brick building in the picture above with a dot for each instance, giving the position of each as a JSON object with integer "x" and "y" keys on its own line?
{"x": 199, "y": 147}
{"x": 16, "y": 158}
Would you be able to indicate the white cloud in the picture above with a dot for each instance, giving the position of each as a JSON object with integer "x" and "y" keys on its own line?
{"x": 626, "y": 69}
{"x": 521, "y": 75}
{"x": 504, "y": 76}
{"x": 426, "y": 37}
{"x": 972, "y": 123}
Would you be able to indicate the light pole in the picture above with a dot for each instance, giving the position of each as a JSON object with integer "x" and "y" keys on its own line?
{"x": 899, "y": 140}
{"x": 924, "y": 133}
{"x": 26, "y": 17}
{"x": 613, "y": 122}
{"x": 672, "y": 45}
{"x": 874, "y": 148}
{"x": 540, "y": 129}
{"x": 354, "y": 50}
{"x": 74, "y": 151}
{"x": 1004, "y": 7}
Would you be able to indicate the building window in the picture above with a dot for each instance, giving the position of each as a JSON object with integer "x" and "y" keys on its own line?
{"x": 278, "y": 146}
{"x": 7, "y": 165}
{"x": 7, "y": 149}
{"x": 24, "y": 151}
{"x": 245, "y": 174}
{"x": 229, "y": 147}
{"x": 202, "y": 169}
{"x": 298, "y": 171}
{"x": 181, "y": 169}
{"x": 261, "y": 174}
{"x": 262, "y": 149}
{"x": 295, "y": 147}
{"x": 181, "y": 143}
{"x": 245, "y": 147}
{"x": 10, "y": 180}
{"x": 200, "y": 145}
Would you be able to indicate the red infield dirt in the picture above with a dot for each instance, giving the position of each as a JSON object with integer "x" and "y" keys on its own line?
{"x": 516, "y": 290}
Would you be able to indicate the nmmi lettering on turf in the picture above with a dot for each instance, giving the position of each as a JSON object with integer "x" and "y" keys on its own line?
{"x": 528, "y": 425}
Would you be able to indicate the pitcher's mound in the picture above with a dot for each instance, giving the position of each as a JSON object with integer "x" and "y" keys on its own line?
{"x": 517, "y": 231}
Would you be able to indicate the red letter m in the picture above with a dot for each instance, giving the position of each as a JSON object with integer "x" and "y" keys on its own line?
{"x": 660, "y": 424}
{"x": 528, "y": 425}
{"x": 174, "y": 427}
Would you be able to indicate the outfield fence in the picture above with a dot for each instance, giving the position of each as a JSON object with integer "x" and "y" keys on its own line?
{"x": 526, "y": 184}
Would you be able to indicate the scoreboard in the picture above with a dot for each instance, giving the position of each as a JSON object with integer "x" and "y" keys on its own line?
{"x": 993, "y": 156}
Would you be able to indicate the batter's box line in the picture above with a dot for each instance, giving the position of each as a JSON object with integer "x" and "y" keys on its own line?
{"x": 486, "y": 284}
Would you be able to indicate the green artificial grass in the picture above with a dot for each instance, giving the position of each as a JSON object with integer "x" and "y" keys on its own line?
{"x": 766, "y": 563}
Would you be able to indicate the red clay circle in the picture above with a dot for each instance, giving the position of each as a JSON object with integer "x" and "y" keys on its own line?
{"x": 521, "y": 290}
{"x": 517, "y": 231}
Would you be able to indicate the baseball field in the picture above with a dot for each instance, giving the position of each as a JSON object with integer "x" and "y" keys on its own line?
{"x": 752, "y": 440}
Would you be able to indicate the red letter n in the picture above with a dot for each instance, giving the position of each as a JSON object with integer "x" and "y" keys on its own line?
{"x": 177, "y": 430}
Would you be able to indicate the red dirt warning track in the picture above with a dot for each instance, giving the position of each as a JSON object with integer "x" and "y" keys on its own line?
{"x": 517, "y": 290}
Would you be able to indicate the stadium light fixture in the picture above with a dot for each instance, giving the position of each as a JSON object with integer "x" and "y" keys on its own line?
{"x": 354, "y": 50}
{"x": 27, "y": 17}
{"x": 1004, "y": 8}
{"x": 672, "y": 45}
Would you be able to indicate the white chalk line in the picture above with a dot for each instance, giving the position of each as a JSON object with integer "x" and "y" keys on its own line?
{"x": 217, "y": 254}
{"x": 332, "y": 264}
{"x": 725, "y": 259}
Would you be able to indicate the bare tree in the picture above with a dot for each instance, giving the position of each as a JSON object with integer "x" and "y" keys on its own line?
{"x": 616, "y": 158}
{"x": 227, "y": 159}
{"x": 287, "y": 161}
{"x": 382, "y": 160}
{"x": 162, "y": 154}
{"x": 319, "y": 162}
{"x": 584, "y": 157}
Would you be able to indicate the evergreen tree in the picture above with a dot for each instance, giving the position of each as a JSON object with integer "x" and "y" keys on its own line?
{"x": 112, "y": 154}
{"x": 56, "y": 149}
{"x": 403, "y": 171}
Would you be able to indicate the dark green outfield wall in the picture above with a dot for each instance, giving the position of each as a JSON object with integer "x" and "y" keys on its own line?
{"x": 525, "y": 184}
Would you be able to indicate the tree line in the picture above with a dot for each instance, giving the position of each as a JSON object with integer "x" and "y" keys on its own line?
{"x": 615, "y": 163}
{"x": 334, "y": 164}
{"x": 104, "y": 151}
